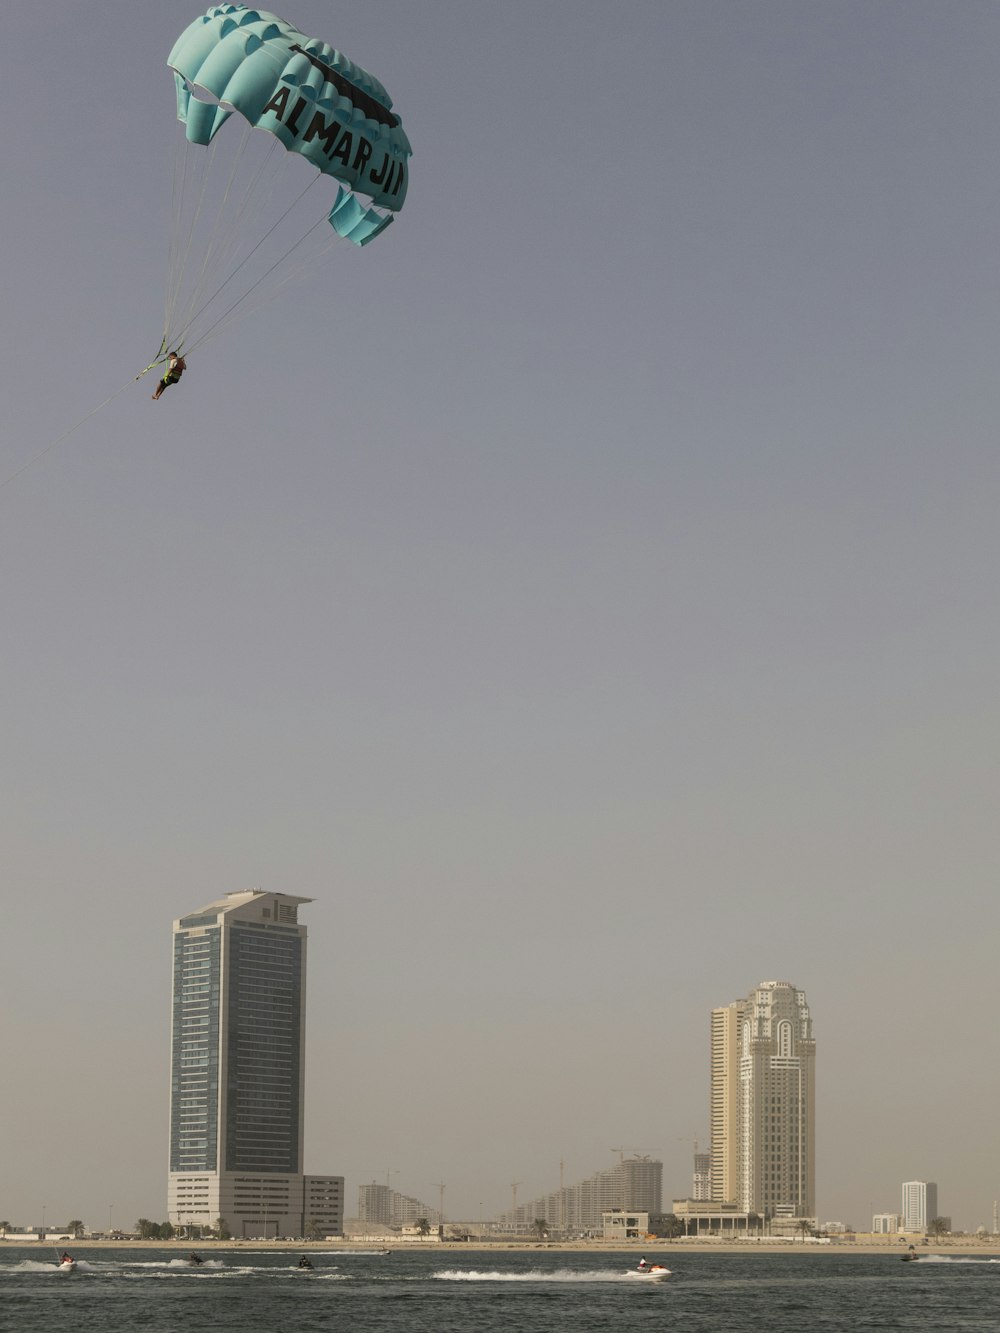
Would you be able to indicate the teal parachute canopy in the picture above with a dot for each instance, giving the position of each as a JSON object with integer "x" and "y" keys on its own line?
{"x": 308, "y": 95}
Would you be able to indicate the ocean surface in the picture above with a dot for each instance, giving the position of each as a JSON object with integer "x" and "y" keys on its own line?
{"x": 478, "y": 1291}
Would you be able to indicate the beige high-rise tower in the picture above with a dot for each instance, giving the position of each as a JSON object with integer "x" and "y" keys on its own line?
{"x": 763, "y": 1103}
{"x": 726, "y": 1024}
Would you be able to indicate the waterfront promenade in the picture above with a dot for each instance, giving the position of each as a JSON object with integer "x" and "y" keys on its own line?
{"x": 964, "y": 1245}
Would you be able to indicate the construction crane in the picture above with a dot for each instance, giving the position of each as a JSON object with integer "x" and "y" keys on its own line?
{"x": 636, "y": 1152}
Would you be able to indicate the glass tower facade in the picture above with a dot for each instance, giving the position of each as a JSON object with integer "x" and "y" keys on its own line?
{"x": 194, "y": 1073}
{"x": 237, "y": 1072}
{"x": 264, "y": 1048}
{"x": 238, "y": 1028}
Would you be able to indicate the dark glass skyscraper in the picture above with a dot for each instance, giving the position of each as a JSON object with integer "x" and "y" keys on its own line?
{"x": 238, "y": 1071}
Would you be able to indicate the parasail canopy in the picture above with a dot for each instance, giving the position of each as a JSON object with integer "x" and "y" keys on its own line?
{"x": 308, "y": 95}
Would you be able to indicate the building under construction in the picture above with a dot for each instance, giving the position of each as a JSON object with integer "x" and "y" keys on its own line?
{"x": 635, "y": 1183}
{"x": 382, "y": 1206}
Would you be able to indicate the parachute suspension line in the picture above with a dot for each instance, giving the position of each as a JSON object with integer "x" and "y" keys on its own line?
{"x": 247, "y": 257}
{"x": 221, "y": 240}
{"x": 5, "y": 481}
{"x": 305, "y": 269}
{"x": 180, "y": 236}
{"x": 239, "y": 311}
{"x": 160, "y": 357}
{"x": 174, "y": 247}
{"x": 187, "y": 229}
{"x": 280, "y": 260}
{"x": 182, "y": 223}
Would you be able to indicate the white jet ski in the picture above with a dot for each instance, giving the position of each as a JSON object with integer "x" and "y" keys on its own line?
{"x": 651, "y": 1272}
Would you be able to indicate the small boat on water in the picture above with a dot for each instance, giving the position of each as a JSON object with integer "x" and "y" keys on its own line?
{"x": 651, "y": 1272}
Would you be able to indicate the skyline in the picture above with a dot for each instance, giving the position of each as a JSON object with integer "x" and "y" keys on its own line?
{"x": 586, "y": 594}
{"x": 236, "y": 907}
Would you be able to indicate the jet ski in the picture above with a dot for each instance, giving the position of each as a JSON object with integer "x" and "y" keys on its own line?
{"x": 651, "y": 1272}
{"x": 66, "y": 1266}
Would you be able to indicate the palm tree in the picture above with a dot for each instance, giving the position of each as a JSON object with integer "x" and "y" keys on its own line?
{"x": 540, "y": 1227}
{"x": 806, "y": 1227}
{"x": 76, "y": 1226}
{"x": 937, "y": 1226}
{"x": 423, "y": 1226}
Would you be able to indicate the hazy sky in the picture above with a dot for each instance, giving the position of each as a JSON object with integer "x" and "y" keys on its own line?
{"x": 587, "y": 593}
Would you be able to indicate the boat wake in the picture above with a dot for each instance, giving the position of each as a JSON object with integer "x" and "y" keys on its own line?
{"x": 953, "y": 1259}
{"x": 533, "y": 1275}
{"x": 223, "y": 1272}
{"x": 56, "y": 1270}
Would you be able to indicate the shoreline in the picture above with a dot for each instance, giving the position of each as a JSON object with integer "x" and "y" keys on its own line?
{"x": 676, "y": 1247}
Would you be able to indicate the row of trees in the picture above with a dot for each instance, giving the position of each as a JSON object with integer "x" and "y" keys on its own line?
{"x": 167, "y": 1231}
{"x": 76, "y": 1226}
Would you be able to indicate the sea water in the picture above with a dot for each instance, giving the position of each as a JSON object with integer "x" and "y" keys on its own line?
{"x": 480, "y": 1291}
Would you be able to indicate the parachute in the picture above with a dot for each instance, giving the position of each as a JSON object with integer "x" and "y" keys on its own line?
{"x": 313, "y": 103}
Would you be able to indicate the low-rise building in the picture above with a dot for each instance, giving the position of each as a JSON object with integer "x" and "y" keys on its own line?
{"x": 618, "y": 1224}
{"x": 708, "y": 1217}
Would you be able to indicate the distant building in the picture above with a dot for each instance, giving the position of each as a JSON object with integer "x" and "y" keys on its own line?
{"x": 39, "y": 1233}
{"x": 727, "y": 1025}
{"x": 920, "y": 1204}
{"x": 702, "y": 1179}
{"x": 707, "y": 1217}
{"x": 381, "y": 1206}
{"x": 622, "y": 1225}
{"x": 375, "y": 1204}
{"x": 635, "y": 1184}
{"x": 763, "y": 1110}
{"x": 885, "y": 1224}
{"x": 237, "y": 1073}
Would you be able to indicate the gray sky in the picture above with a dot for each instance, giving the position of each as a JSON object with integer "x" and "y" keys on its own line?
{"x": 586, "y": 593}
